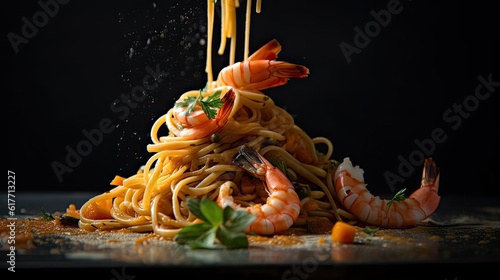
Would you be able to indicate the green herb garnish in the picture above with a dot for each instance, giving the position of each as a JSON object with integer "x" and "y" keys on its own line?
{"x": 279, "y": 163}
{"x": 370, "y": 231}
{"x": 399, "y": 196}
{"x": 219, "y": 229}
{"x": 209, "y": 106}
{"x": 46, "y": 216}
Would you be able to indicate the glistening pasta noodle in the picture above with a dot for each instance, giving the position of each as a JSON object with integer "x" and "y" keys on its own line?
{"x": 154, "y": 199}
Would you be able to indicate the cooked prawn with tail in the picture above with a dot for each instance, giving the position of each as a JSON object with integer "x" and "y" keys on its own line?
{"x": 196, "y": 124}
{"x": 282, "y": 206}
{"x": 357, "y": 199}
{"x": 261, "y": 70}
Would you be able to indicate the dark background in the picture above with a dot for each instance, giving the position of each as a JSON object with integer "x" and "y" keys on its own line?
{"x": 425, "y": 61}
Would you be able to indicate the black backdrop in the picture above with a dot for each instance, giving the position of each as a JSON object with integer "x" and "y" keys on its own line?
{"x": 386, "y": 78}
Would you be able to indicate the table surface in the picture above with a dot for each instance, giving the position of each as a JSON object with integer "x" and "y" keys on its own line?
{"x": 462, "y": 236}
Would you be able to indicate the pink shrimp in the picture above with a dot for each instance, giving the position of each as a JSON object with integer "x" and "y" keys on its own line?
{"x": 261, "y": 70}
{"x": 352, "y": 193}
{"x": 197, "y": 124}
{"x": 282, "y": 206}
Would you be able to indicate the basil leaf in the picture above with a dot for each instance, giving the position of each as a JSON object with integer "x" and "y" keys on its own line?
{"x": 231, "y": 239}
{"x": 192, "y": 233}
{"x": 220, "y": 228}
{"x": 211, "y": 211}
{"x": 206, "y": 240}
{"x": 237, "y": 220}
{"x": 193, "y": 205}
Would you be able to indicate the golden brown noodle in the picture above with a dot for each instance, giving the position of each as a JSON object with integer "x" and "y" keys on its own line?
{"x": 154, "y": 199}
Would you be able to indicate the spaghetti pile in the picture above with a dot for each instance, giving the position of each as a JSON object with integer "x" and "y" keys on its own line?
{"x": 154, "y": 199}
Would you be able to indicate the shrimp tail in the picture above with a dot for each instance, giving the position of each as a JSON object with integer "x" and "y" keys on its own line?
{"x": 249, "y": 160}
{"x": 430, "y": 174}
{"x": 267, "y": 52}
{"x": 287, "y": 70}
{"x": 226, "y": 109}
{"x": 427, "y": 195}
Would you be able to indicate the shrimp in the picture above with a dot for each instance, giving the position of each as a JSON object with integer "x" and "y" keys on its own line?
{"x": 197, "y": 124}
{"x": 352, "y": 193}
{"x": 299, "y": 148}
{"x": 260, "y": 70}
{"x": 283, "y": 204}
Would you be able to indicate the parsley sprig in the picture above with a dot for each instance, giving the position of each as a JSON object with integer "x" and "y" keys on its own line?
{"x": 370, "y": 231}
{"x": 221, "y": 228}
{"x": 46, "y": 216}
{"x": 279, "y": 163}
{"x": 209, "y": 105}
